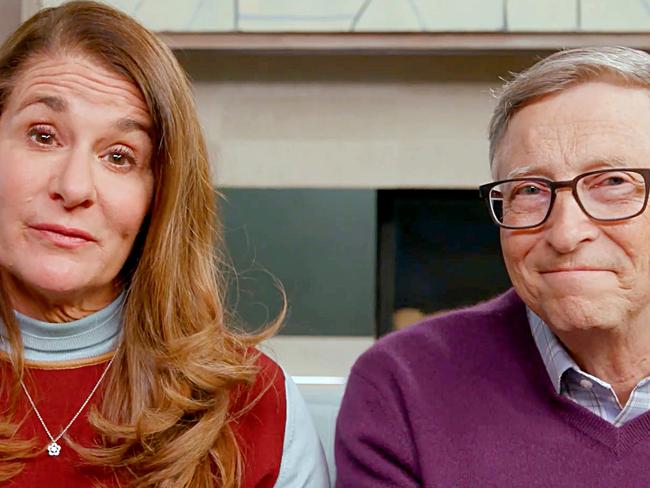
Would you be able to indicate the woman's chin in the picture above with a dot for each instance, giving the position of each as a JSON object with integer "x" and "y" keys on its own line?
{"x": 52, "y": 285}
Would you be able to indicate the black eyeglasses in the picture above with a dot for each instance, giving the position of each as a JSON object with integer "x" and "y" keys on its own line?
{"x": 604, "y": 195}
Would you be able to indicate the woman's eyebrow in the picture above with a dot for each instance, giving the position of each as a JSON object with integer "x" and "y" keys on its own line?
{"x": 127, "y": 124}
{"x": 58, "y": 104}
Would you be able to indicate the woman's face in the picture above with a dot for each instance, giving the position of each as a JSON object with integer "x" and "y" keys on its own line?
{"x": 75, "y": 181}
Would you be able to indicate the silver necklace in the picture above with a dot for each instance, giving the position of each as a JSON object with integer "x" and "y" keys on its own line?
{"x": 54, "y": 448}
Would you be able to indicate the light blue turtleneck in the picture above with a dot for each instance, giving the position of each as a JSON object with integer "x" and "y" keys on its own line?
{"x": 91, "y": 336}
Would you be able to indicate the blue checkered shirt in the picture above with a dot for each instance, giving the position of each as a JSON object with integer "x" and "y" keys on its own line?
{"x": 586, "y": 390}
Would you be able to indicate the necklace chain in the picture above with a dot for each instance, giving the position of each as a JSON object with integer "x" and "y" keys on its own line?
{"x": 54, "y": 448}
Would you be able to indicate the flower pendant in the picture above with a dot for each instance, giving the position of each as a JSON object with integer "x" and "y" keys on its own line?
{"x": 53, "y": 449}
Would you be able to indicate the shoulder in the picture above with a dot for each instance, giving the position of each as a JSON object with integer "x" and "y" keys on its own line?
{"x": 270, "y": 382}
{"x": 438, "y": 342}
{"x": 258, "y": 421}
{"x": 262, "y": 403}
{"x": 276, "y": 434}
{"x": 303, "y": 459}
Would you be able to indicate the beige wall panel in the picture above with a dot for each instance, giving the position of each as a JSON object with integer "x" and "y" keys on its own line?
{"x": 347, "y": 135}
{"x": 354, "y": 136}
{"x": 393, "y": 125}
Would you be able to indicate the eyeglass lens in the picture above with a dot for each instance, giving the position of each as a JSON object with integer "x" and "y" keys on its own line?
{"x": 606, "y": 195}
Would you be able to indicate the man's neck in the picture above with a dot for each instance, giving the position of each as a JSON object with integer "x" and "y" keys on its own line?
{"x": 621, "y": 357}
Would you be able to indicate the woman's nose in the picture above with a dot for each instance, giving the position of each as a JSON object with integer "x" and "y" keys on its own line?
{"x": 73, "y": 182}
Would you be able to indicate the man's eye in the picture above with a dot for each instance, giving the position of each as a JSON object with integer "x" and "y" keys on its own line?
{"x": 613, "y": 181}
{"x": 527, "y": 190}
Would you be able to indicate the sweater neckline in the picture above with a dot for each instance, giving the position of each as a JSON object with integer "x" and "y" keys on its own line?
{"x": 616, "y": 439}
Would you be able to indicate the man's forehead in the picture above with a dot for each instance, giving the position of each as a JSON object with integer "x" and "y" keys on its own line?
{"x": 543, "y": 137}
{"x": 576, "y": 129}
{"x": 563, "y": 157}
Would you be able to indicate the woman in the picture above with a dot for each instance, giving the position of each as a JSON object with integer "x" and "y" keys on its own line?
{"x": 119, "y": 368}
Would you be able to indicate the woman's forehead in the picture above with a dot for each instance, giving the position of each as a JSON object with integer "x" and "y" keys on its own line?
{"x": 76, "y": 76}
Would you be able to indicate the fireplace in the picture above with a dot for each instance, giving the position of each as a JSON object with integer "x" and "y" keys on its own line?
{"x": 354, "y": 262}
{"x": 437, "y": 250}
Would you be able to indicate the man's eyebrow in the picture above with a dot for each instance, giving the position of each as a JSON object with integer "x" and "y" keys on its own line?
{"x": 57, "y": 104}
{"x": 599, "y": 162}
{"x": 519, "y": 172}
{"x": 608, "y": 162}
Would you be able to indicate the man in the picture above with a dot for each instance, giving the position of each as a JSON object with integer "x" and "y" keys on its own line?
{"x": 549, "y": 384}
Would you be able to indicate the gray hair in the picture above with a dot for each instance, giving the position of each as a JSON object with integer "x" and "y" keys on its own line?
{"x": 559, "y": 71}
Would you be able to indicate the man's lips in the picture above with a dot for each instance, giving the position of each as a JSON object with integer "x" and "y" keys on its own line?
{"x": 574, "y": 270}
{"x": 69, "y": 232}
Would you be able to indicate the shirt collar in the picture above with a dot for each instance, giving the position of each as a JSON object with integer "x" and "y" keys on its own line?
{"x": 555, "y": 357}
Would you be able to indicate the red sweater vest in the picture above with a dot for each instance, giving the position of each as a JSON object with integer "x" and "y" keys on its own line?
{"x": 58, "y": 394}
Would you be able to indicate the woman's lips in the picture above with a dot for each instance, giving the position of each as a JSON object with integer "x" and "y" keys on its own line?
{"x": 61, "y": 236}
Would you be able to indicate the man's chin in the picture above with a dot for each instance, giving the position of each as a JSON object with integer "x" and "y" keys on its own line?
{"x": 569, "y": 313}
{"x": 580, "y": 283}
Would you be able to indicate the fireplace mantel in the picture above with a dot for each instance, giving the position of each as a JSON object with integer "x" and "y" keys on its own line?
{"x": 431, "y": 43}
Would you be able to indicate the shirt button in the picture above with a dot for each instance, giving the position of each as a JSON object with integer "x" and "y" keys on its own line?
{"x": 586, "y": 384}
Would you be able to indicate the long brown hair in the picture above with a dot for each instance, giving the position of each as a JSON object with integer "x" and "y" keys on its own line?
{"x": 173, "y": 375}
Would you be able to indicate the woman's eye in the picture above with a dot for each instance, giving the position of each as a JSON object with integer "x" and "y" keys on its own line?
{"x": 120, "y": 157}
{"x": 117, "y": 158}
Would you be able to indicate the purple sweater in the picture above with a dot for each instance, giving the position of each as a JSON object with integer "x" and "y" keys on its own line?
{"x": 464, "y": 400}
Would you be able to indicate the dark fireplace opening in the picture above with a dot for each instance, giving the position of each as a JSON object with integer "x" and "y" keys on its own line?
{"x": 437, "y": 250}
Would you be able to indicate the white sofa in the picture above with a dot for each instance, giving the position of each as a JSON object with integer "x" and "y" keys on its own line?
{"x": 323, "y": 401}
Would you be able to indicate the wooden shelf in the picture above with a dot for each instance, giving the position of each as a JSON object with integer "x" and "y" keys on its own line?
{"x": 399, "y": 43}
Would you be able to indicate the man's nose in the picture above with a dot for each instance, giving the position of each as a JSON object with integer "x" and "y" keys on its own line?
{"x": 568, "y": 226}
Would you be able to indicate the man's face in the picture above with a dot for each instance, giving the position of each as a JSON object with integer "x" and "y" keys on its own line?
{"x": 574, "y": 272}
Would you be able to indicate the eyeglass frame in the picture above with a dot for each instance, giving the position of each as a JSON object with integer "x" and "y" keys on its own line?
{"x": 484, "y": 194}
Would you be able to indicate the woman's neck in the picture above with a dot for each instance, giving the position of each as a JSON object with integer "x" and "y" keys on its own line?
{"x": 59, "y": 307}
{"x": 94, "y": 335}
